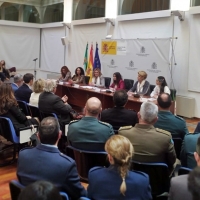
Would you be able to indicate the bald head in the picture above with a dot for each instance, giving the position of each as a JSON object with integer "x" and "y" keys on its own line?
{"x": 93, "y": 107}
{"x": 164, "y": 101}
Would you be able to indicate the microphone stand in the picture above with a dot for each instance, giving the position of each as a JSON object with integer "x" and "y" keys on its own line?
{"x": 35, "y": 68}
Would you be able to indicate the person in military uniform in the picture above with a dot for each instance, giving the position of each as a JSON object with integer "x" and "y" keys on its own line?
{"x": 45, "y": 162}
{"x": 89, "y": 129}
{"x": 167, "y": 121}
{"x": 119, "y": 115}
{"x": 150, "y": 144}
{"x": 117, "y": 182}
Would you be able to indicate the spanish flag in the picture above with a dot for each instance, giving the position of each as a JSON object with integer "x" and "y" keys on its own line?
{"x": 85, "y": 63}
{"x": 90, "y": 64}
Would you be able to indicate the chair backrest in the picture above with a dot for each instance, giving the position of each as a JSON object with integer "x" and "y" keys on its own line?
{"x": 86, "y": 78}
{"x": 64, "y": 196}
{"x": 151, "y": 88}
{"x": 184, "y": 171}
{"x": 158, "y": 176}
{"x": 43, "y": 115}
{"x": 34, "y": 111}
{"x": 128, "y": 84}
{"x": 107, "y": 81}
{"x": 191, "y": 162}
{"x": 12, "y": 69}
{"x": 177, "y": 146}
{"x": 24, "y": 107}
{"x": 85, "y": 160}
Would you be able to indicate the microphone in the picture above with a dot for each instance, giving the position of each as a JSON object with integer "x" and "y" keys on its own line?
{"x": 35, "y": 59}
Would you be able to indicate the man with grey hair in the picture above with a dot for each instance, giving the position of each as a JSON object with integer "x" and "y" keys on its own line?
{"x": 51, "y": 103}
{"x": 18, "y": 80}
{"x": 89, "y": 129}
{"x": 150, "y": 144}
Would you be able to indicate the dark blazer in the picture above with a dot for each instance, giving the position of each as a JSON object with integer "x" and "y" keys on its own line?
{"x": 18, "y": 118}
{"x": 51, "y": 103}
{"x": 179, "y": 188}
{"x": 104, "y": 183}
{"x": 174, "y": 124}
{"x": 119, "y": 116}
{"x": 48, "y": 163}
{"x": 23, "y": 93}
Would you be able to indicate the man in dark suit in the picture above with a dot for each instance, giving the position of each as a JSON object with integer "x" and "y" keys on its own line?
{"x": 46, "y": 162}
{"x": 179, "y": 184}
{"x": 167, "y": 121}
{"x": 23, "y": 93}
{"x": 51, "y": 103}
{"x": 119, "y": 115}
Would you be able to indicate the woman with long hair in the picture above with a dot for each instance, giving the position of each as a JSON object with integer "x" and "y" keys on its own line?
{"x": 118, "y": 83}
{"x": 141, "y": 86}
{"x": 10, "y": 109}
{"x": 161, "y": 86}
{"x": 78, "y": 76}
{"x": 97, "y": 78}
{"x": 5, "y": 71}
{"x": 117, "y": 182}
{"x": 38, "y": 86}
{"x": 65, "y": 74}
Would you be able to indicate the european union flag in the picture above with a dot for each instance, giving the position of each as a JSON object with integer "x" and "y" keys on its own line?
{"x": 97, "y": 63}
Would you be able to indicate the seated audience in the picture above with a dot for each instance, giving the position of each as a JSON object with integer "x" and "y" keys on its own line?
{"x": 119, "y": 115}
{"x": 23, "y": 93}
{"x": 65, "y": 74}
{"x": 141, "y": 86}
{"x": 37, "y": 90}
{"x": 89, "y": 129}
{"x": 189, "y": 146}
{"x": 150, "y": 144}
{"x": 97, "y": 79}
{"x": 5, "y": 71}
{"x": 46, "y": 162}
{"x": 161, "y": 87}
{"x": 179, "y": 184}
{"x": 167, "y": 121}
{"x": 78, "y": 77}
{"x": 2, "y": 75}
{"x": 40, "y": 190}
{"x": 10, "y": 109}
{"x": 118, "y": 83}
{"x": 194, "y": 183}
{"x": 117, "y": 182}
{"x": 51, "y": 103}
{"x": 18, "y": 81}
{"x": 197, "y": 129}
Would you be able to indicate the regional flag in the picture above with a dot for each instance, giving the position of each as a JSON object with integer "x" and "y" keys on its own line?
{"x": 97, "y": 63}
{"x": 90, "y": 64}
{"x": 85, "y": 63}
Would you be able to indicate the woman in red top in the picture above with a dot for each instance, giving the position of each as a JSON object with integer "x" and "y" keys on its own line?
{"x": 118, "y": 83}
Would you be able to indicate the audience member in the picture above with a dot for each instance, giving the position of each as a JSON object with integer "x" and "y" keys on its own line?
{"x": 65, "y": 74}
{"x": 119, "y": 115}
{"x": 78, "y": 77}
{"x": 167, "y": 121}
{"x": 141, "y": 86}
{"x": 23, "y": 93}
{"x": 2, "y": 75}
{"x": 10, "y": 109}
{"x": 18, "y": 81}
{"x": 161, "y": 87}
{"x": 89, "y": 129}
{"x": 188, "y": 148}
{"x": 46, "y": 162}
{"x": 194, "y": 183}
{"x": 151, "y": 144}
{"x": 51, "y": 103}
{"x": 118, "y": 83}
{"x": 179, "y": 184}
{"x": 5, "y": 71}
{"x": 97, "y": 79}
{"x": 117, "y": 182}
{"x": 37, "y": 90}
{"x": 40, "y": 190}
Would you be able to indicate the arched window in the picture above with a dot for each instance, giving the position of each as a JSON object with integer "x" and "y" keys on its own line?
{"x": 11, "y": 11}
{"x": 30, "y": 14}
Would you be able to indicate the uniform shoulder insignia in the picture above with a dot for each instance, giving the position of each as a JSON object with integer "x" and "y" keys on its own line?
{"x": 95, "y": 168}
{"x": 66, "y": 157}
{"x": 73, "y": 121}
{"x": 125, "y": 128}
{"x": 25, "y": 148}
{"x": 179, "y": 118}
{"x": 105, "y": 123}
{"x": 163, "y": 131}
{"x": 141, "y": 173}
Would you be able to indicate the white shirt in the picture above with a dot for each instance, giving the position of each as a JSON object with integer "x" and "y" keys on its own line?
{"x": 156, "y": 91}
{"x": 34, "y": 99}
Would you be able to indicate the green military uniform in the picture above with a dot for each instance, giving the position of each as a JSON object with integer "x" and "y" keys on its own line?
{"x": 150, "y": 144}
{"x": 90, "y": 130}
{"x": 174, "y": 124}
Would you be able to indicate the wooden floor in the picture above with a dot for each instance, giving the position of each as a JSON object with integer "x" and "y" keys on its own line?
{"x": 9, "y": 172}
